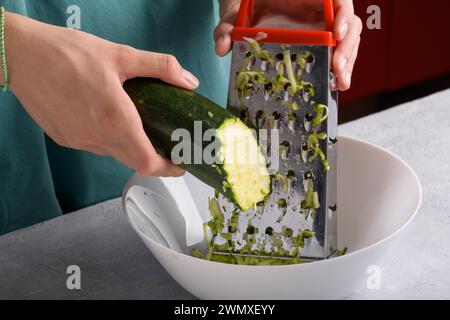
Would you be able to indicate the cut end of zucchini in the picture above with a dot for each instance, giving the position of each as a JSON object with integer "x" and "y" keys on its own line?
{"x": 245, "y": 165}
{"x": 164, "y": 108}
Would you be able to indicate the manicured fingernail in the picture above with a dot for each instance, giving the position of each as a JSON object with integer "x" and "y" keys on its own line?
{"x": 343, "y": 63}
{"x": 343, "y": 30}
{"x": 190, "y": 78}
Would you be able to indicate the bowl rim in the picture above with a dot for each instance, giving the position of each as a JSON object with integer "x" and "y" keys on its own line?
{"x": 304, "y": 265}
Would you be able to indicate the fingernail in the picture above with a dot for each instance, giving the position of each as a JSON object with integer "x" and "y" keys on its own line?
{"x": 333, "y": 84}
{"x": 343, "y": 63}
{"x": 348, "y": 78}
{"x": 343, "y": 30}
{"x": 222, "y": 46}
{"x": 190, "y": 78}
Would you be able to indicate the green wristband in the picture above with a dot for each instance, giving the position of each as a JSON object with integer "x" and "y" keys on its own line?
{"x": 2, "y": 49}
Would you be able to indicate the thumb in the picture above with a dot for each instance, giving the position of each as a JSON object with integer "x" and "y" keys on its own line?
{"x": 222, "y": 36}
{"x": 160, "y": 66}
{"x": 229, "y": 10}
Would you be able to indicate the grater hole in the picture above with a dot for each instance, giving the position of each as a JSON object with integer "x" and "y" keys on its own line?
{"x": 260, "y": 118}
{"x": 244, "y": 115}
{"x": 306, "y": 93}
{"x": 310, "y": 62}
{"x": 276, "y": 116}
{"x": 309, "y": 176}
{"x": 331, "y": 211}
{"x": 305, "y": 152}
{"x": 308, "y": 121}
{"x": 279, "y": 57}
{"x": 268, "y": 86}
{"x": 288, "y": 232}
{"x": 292, "y": 121}
{"x": 269, "y": 231}
{"x": 282, "y": 204}
{"x": 309, "y": 117}
{"x": 291, "y": 175}
{"x": 284, "y": 149}
{"x": 333, "y": 140}
{"x": 251, "y": 230}
{"x": 267, "y": 93}
{"x": 290, "y": 179}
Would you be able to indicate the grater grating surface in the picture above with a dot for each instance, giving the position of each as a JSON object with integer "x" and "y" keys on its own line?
{"x": 298, "y": 219}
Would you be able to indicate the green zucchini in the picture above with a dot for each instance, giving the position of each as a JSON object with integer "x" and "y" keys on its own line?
{"x": 165, "y": 108}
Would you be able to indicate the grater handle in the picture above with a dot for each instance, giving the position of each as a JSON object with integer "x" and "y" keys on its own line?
{"x": 328, "y": 9}
{"x": 246, "y": 13}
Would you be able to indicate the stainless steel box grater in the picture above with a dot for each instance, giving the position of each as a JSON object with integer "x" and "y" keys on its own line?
{"x": 280, "y": 82}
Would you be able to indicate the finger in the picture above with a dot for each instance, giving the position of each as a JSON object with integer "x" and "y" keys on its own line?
{"x": 138, "y": 153}
{"x": 229, "y": 10}
{"x": 150, "y": 163}
{"x": 345, "y": 81}
{"x": 161, "y": 66}
{"x": 342, "y": 63}
{"x": 354, "y": 56}
{"x": 222, "y": 36}
{"x": 130, "y": 145}
{"x": 344, "y": 16}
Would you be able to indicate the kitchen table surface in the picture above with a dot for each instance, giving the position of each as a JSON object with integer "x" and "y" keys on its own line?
{"x": 115, "y": 264}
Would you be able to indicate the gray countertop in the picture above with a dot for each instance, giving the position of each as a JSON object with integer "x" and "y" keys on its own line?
{"x": 116, "y": 265}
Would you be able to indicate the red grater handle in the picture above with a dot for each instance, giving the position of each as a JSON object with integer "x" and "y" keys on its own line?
{"x": 328, "y": 10}
{"x": 309, "y": 37}
{"x": 245, "y": 14}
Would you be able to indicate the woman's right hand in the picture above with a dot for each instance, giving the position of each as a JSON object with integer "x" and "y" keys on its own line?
{"x": 70, "y": 83}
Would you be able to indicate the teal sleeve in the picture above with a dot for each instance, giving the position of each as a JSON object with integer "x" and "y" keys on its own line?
{"x": 41, "y": 180}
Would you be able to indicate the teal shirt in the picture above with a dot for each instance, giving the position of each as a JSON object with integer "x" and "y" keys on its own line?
{"x": 40, "y": 180}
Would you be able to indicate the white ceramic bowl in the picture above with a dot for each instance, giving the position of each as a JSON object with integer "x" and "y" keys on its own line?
{"x": 378, "y": 195}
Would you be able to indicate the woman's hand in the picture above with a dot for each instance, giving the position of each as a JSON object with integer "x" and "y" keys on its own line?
{"x": 70, "y": 83}
{"x": 347, "y": 28}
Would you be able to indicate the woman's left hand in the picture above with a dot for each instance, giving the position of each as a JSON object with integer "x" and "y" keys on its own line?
{"x": 347, "y": 29}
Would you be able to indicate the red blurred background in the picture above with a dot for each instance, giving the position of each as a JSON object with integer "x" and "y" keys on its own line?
{"x": 412, "y": 47}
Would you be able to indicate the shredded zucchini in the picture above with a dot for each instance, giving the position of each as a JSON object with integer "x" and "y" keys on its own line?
{"x": 216, "y": 224}
{"x": 311, "y": 201}
{"x": 314, "y": 145}
{"x": 321, "y": 115}
{"x": 300, "y": 239}
{"x": 284, "y": 87}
